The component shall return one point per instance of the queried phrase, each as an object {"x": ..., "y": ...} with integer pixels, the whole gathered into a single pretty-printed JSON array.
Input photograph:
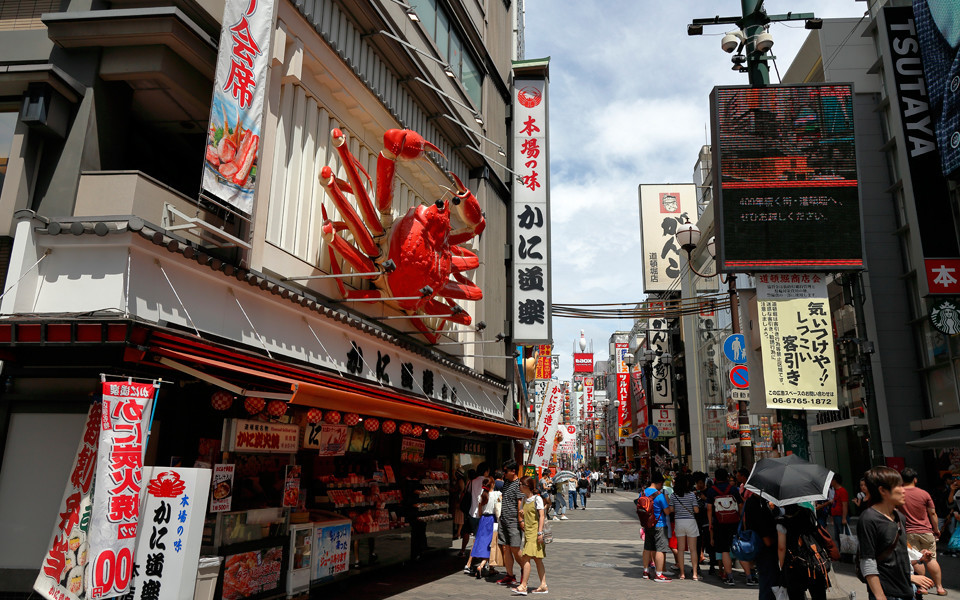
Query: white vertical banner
[
  {"x": 63, "y": 571},
  {"x": 124, "y": 426},
  {"x": 663, "y": 208},
  {"x": 168, "y": 547},
  {"x": 547, "y": 427},
  {"x": 231, "y": 161},
  {"x": 531, "y": 213}
]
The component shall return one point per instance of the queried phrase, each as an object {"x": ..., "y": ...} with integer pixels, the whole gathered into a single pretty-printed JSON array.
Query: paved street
[{"x": 595, "y": 554}]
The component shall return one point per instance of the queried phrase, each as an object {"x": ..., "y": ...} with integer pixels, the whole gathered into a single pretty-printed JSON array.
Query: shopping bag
[
  {"x": 496, "y": 556},
  {"x": 780, "y": 592},
  {"x": 673, "y": 540},
  {"x": 954, "y": 544},
  {"x": 848, "y": 541},
  {"x": 547, "y": 532}
]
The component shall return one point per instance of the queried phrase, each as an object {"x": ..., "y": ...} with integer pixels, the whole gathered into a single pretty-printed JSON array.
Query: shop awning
[
  {"x": 320, "y": 395},
  {"x": 941, "y": 439}
]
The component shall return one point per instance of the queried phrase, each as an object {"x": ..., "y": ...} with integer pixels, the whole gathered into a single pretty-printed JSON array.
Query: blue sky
[{"x": 629, "y": 105}]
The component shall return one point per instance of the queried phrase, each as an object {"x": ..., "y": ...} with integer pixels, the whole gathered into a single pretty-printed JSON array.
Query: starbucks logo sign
[{"x": 945, "y": 316}]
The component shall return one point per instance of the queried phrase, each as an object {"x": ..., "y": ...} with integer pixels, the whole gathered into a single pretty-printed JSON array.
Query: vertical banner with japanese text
[
  {"x": 544, "y": 369},
  {"x": 636, "y": 382},
  {"x": 796, "y": 341},
  {"x": 588, "y": 397},
  {"x": 547, "y": 427},
  {"x": 231, "y": 161},
  {"x": 661, "y": 388},
  {"x": 531, "y": 210},
  {"x": 62, "y": 574},
  {"x": 663, "y": 208},
  {"x": 168, "y": 547},
  {"x": 624, "y": 422}
]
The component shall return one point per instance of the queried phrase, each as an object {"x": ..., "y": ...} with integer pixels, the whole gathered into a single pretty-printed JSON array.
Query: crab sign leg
[
  {"x": 350, "y": 216},
  {"x": 461, "y": 289},
  {"x": 435, "y": 307},
  {"x": 351, "y": 164},
  {"x": 462, "y": 259},
  {"x": 358, "y": 261},
  {"x": 398, "y": 144},
  {"x": 468, "y": 209}
]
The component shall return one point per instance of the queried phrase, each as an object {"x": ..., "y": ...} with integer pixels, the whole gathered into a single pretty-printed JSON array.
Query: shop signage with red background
[
  {"x": 222, "y": 496},
  {"x": 544, "y": 364},
  {"x": 260, "y": 436},
  {"x": 124, "y": 422},
  {"x": 62, "y": 574},
  {"x": 636, "y": 380},
  {"x": 168, "y": 546},
  {"x": 582, "y": 362},
  {"x": 588, "y": 396},
  {"x": 412, "y": 449},
  {"x": 623, "y": 390}
]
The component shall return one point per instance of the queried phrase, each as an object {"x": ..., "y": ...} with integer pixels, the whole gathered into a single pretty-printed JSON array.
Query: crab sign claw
[
  {"x": 468, "y": 210},
  {"x": 398, "y": 144}
]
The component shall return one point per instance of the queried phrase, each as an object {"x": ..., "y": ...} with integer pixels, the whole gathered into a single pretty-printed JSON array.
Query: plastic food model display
[{"x": 415, "y": 259}]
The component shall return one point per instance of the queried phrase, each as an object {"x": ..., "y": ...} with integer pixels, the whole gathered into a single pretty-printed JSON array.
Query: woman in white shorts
[{"x": 685, "y": 508}]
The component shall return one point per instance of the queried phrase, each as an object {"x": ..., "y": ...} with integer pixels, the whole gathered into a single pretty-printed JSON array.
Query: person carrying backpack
[
  {"x": 803, "y": 559},
  {"x": 583, "y": 488},
  {"x": 652, "y": 510},
  {"x": 723, "y": 516}
]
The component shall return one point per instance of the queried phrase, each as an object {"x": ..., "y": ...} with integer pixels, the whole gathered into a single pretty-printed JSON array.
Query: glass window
[
  {"x": 443, "y": 34},
  {"x": 943, "y": 393},
  {"x": 427, "y": 11},
  {"x": 8, "y": 123},
  {"x": 456, "y": 52},
  {"x": 472, "y": 81}
]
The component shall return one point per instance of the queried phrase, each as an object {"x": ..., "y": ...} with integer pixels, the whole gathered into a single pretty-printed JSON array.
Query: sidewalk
[{"x": 595, "y": 554}]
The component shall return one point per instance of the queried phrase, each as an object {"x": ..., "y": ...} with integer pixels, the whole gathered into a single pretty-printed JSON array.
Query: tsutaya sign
[
  {"x": 796, "y": 341},
  {"x": 663, "y": 208},
  {"x": 531, "y": 204},
  {"x": 236, "y": 115}
]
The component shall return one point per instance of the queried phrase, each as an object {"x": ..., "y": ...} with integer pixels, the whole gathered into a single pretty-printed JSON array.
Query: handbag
[
  {"x": 848, "y": 541},
  {"x": 745, "y": 544},
  {"x": 496, "y": 556}
]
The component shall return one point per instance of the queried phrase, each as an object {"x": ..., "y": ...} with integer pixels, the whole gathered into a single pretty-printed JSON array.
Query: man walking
[
  {"x": 884, "y": 561},
  {"x": 723, "y": 514},
  {"x": 923, "y": 528},
  {"x": 655, "y": 541},
  {"x": 840, "y": 507},
  {"x": 583, "y": 488},
  {"x": 509, "y": 533}
]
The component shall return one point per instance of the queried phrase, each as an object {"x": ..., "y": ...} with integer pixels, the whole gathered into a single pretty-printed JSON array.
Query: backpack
[
  {"x": 833, "y": 552},
  {"x": 646, "y": 511},
  {"x": 807, "y": 554},
  {"x": 725, "y": 506}
]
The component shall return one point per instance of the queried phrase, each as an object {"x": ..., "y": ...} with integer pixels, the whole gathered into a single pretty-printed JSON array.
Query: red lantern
[
  {"x": 433, "y": 433},
  {"x": 417, "y": 431},
  {"x": 277, "y": 408},
  {"x": 332, "y": 417},
  {"x": 371, "y": 424},
  {"x": 388, "y": 427},
  {"x": 406, "y": 429},
  {"x": 221, "y": 400},
  {"x": 254, "y": 405},
  {"x": 314, "y": 415},
  {"x": 351, "y": 419}
]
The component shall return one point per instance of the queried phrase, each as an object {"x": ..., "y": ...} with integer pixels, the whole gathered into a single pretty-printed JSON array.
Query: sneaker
[
  {"x": 555, "y": 519},
  {"x": 753, "y": 581},
  {"x": 467, "y": 570},
  {"x": 661, "y": 578},
  {"x": 508, "y": 580},
  {"x": 645, "y": 575},
  {"x": 564, "y": 518},
  {"x": 729, "y": 581}
]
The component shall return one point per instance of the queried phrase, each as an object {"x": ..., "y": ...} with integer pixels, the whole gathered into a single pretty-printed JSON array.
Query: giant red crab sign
[{"x": 414, "y": 260}]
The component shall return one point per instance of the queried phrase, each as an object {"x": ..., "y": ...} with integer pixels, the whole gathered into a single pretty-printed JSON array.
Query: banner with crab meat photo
[{"x": 233, "y": 134}]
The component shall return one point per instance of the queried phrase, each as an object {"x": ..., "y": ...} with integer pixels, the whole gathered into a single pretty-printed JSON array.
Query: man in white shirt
[{"x": 476, "y": 488}]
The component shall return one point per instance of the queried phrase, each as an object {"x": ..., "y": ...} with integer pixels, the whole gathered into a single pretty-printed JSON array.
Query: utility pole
[
  {"x": 745, "y": 447},
  {"x": 752, "y": 24}
]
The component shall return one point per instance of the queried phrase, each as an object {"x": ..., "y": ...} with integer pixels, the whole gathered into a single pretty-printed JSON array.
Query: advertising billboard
[
  {"x": 785, "y": 176},
  {"x": 582, "y": 363},
  {"x": 662, "y": 209},
  {"x": 531, "y": 211},
  {"x": 938, "y": 31}
]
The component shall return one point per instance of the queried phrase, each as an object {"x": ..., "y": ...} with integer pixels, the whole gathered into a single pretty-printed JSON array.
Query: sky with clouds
[{"x": 629, "y": 105}]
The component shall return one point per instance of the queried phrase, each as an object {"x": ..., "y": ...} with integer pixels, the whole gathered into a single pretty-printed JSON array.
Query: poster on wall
[
  {"x": 333, "y": 549},
  {"x": 796, "y": 341},
  {"x": 531, "y": 210},
  {"x": 662, "y": 209},
  {"x": 247, "y": 574},
  {"x": 168, "y": 546},
  {"x": 291, "y": 486},
  {"x": 665, "y": 420},
  {"x": 62, "y": 574},
  {"x": 231, "y": 161},
  {"x": 221, "y": 496},
  {"x": 124, "y": 428},
  {"x": 938, "y": 31},
  {"x": 412, "y": 449},
  {"x": 330, "y": 440}
]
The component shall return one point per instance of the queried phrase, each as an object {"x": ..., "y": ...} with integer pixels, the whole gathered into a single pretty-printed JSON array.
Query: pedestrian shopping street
[{"x": 595, "y": 554}]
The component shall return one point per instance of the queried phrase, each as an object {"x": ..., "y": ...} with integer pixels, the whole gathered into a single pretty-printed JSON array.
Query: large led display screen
[{"x": 785, "y": 174}]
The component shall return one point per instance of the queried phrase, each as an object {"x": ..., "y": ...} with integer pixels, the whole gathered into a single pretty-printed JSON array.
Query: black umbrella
[{"x": 789, "y": 480}]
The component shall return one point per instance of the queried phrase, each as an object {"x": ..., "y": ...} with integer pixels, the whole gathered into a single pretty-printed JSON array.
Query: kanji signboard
[
  {"x": 663, "y": 208},
  {"x": 785, "y": 178},
  {"x": 661, "y": 388},
  {"x": 531, "y": 212},
  {"x": 547, "y": 426},
  {"x": 796, "y": 341},
  {"x": 230, "y": 165},
  {"x": 624, "y": 423}
]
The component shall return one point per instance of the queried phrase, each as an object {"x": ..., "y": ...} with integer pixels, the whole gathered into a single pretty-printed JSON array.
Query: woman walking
[
  {"x": 533, "y": 518},
  {"x": 685, "y": 510},
  {"x": 488, "y": 505},
  {"x": 796, "y": 527}
]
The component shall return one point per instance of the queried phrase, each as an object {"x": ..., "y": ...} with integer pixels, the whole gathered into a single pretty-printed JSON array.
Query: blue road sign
[
  {"x": 740, "y": 377},
  {"x": 651, "y": 432},
  {"x": 735, "y": 349}
]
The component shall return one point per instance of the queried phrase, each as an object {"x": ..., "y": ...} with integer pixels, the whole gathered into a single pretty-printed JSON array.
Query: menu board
[
  {"x": 333, "y": 549},
  {"x": 248, "y": 574}
]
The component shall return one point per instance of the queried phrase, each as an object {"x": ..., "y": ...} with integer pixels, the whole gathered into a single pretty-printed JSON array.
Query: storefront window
[{"x": 8, "y": 123}]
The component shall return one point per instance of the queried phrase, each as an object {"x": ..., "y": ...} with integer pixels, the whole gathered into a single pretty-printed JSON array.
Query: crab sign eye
[{"x": 439, "y": 204}]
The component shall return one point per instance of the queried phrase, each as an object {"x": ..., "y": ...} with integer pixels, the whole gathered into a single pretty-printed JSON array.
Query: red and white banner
[
  {"x": 62, "y": 573},
  {"x": 544, "y": 361},
  {"x": 231, "y": 162},
  {"x": 124, "y": 423},
  {"x": 582, "y": 362},
  {"x": 547, "y": 427},
  {"x": 168, "y": 547},
  {"x": 623, "y": 390},
  {"x": 588, "y": 397}
]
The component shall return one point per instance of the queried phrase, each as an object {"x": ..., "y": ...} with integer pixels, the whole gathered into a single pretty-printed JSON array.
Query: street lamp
[{"x": 688, "y": 236}]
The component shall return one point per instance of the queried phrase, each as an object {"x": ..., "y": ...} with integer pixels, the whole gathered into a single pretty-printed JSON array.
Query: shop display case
[{"x": 301, "y": 558}]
